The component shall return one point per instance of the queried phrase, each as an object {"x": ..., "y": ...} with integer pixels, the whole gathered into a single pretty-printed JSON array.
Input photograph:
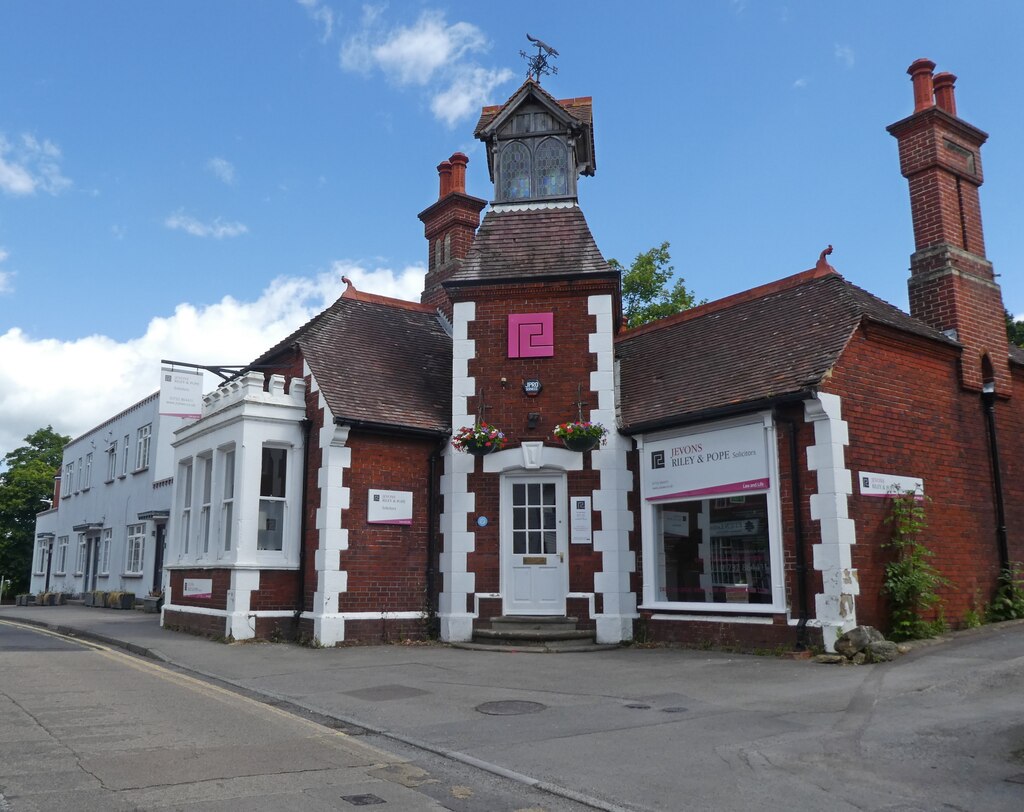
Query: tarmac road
[{"x": 656, "y": 729}]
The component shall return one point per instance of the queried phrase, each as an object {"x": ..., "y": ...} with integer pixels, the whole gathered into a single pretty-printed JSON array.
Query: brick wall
[
  {"x": 221, "y": 584},
  {"x": 907, "y": 415},
  {"x": 508, "y": 408},
  {"x": 387, "y": 564}
]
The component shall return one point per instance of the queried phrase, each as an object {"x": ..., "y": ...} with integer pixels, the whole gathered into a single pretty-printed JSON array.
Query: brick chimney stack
[
  {"x": 449, "y": 226},
  {"x": 952, "y": 285}
]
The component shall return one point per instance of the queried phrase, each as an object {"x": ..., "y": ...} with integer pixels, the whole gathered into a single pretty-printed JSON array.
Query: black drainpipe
[
  {"x": 988, "y": 402},
  {"x": 307, "y": 426},
  {"x": 432, "y": 495},
  {"x": 798, "y": 528}
]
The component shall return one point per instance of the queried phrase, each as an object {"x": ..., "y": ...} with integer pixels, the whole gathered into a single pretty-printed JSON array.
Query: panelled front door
[{"x": 533, "y": 542}]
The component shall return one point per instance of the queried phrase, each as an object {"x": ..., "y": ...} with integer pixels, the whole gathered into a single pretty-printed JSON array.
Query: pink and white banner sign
[{"x": 689, "y": 466}]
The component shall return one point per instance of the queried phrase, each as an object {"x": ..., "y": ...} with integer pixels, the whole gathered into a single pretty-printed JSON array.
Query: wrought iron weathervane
[{"x": 538, "y": 64}]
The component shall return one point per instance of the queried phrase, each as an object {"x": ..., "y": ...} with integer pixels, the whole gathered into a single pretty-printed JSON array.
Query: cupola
[{"x": 537, "y": 146}]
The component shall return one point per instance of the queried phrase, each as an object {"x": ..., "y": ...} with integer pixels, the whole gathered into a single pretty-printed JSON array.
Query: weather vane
[{"x": 539, "y": 64}]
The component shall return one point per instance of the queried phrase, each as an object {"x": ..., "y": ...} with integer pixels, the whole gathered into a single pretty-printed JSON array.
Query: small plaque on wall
[
  {"x": 389, "y": 507},
  {"x": 888, "y": 484},
  {"x": 197, "y": 588},
  {"x": 580, "y": 523}
]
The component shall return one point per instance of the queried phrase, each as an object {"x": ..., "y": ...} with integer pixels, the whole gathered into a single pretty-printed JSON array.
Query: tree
[
  {"x": 646, "y": 295},
  {"x": 24, "y": 488},
  {"x": 1014, "y": 329}
]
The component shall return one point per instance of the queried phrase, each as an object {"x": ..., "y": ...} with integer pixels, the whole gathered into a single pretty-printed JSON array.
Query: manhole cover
[
  {"x": 363, "y": 800},
  {"x": 638, "y": 706},
  {"x": 510, "y": 707},
  {"x": 673, "y": 710}
]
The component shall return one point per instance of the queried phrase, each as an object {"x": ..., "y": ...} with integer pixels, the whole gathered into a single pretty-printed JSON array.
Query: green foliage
[
  {"x": 646, "y": 295},
  {"x": 911, "y": 582},
  {"x": 24, "y": 486},
  {"x": 1008, "y": 603},
  {"x": 1014, "y": 329}
]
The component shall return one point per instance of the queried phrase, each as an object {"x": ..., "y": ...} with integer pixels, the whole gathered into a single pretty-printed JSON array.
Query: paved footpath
[{"x": 659, "y": 728}]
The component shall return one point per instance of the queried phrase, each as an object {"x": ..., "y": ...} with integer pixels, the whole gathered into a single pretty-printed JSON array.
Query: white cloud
[
  {"x": 430, "y": 53},
  {"x": 845, "y": 55},
  {"x": 218, "y": 229},
  {"x": 468, "y": 92},
  {"x": 222, "y": 169},
  {"x": 100, "y": 376},
  {"x": 800, "y": 83},
  {"x": 321, "y": 14},
  {"x": 29, "y": 165}
]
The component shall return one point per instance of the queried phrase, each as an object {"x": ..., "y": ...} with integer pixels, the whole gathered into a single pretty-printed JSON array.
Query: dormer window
[
  {"x": 515, "y": 171},
  {"x": 550, "y": 168}
]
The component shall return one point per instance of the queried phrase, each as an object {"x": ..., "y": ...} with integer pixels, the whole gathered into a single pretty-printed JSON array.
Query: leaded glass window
[
  {"x": 515, "y": 172},
  {"x": 551, "y": 170}
]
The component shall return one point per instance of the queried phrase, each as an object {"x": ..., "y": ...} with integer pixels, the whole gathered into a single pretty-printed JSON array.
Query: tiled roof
[
  {"x": 581, "y": 108},
  {"x": 770, "y": 342},
  {"x": 379, "y": 360},
  {"x": 532, "y": 243},
  {"x": 1017, "y": 354}
]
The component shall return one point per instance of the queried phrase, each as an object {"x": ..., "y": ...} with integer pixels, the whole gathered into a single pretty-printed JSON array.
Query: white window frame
[
  {"x": 142, "y": 437},
  {"x": 135, "y": 549},
  {"x": 112, "y": 461},
  {"x": 227, "y": 504},
  {"x": 124, "y": 458},
  {"x": 206, "y": 486},
  {"x": 650, "y": 536},
  {"x": 270, "y": 500},
  {"x": 103, "y": 565},
  {"x": 67, "y": 484},
  {"x": 82, "y": 552},
  {"x": 78, "y": 478},
  {"x": 41, "y": 545},
  {"x": 187, "y": 469},
  {"x": 62, "y": 556},
  {"x": 88, "y": 471}
]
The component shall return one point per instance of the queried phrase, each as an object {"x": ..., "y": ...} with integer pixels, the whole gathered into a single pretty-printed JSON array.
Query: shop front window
[{"x": 715, "y": 550}]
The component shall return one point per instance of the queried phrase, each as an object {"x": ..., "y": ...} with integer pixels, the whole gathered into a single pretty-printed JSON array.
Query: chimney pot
[
  {"x": 921, "y": 75},
  {"x": 944, "y": 96},
  {"x": 458, "y": 163},
  {"x": 444, "y": 174}
]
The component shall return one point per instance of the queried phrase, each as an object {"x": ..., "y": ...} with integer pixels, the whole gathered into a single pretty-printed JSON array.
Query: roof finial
[
  {"x": 350, "y": 289},
  {"x": 822, "y": 264},
  {"x": 538, "y": 65}
]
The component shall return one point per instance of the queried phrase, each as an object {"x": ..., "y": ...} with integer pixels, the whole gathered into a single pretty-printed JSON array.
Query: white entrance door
[{"x": 533, "y": 543}]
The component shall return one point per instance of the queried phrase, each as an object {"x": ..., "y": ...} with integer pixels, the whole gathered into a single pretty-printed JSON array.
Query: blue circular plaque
[{"x": 481, "y": 521}]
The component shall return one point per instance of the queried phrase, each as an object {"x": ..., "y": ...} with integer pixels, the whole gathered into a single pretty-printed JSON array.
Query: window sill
[
  {"x": 59, "y": 573},
  {"x": 141, "y": 470},
  {"x": 103, "y": 575},
  {"x": 122, "y": 476},
  {"x": 131, "y": 574},
  {"x": 107, "y": 481}
]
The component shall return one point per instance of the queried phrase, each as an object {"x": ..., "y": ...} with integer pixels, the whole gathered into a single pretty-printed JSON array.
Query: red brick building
[{"x": 741, "y": 493}]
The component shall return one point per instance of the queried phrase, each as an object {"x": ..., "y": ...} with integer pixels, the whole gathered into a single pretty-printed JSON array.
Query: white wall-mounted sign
[
  {"x": 389, "y": 507},
  {"x": 198, "y": 588},
  {"x": 580, "y": 521},
  {"x": 728, "y": 460},
  {"x": 888, "y": 484},
  {"x": 181, "y": 392}
]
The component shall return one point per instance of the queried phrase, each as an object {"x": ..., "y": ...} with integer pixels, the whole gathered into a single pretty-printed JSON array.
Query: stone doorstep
[
  {"x": 532, "y": 635},
  {"x": 534, "y": 623},
  {"x": 554, "y": 647}
]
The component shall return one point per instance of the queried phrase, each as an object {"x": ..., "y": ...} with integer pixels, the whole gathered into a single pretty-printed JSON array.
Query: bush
[
  {"x": 911, "y": 582},
  {"x": 1008, "y": 603}
]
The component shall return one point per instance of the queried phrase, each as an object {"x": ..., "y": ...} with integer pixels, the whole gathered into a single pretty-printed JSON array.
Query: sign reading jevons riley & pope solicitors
[
  {"x": 727, "y": 460},
  {"x": 389, "y": 507}
]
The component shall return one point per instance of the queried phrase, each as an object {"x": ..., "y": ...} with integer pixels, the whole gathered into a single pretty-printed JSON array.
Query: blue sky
[{"x": 191, "y": 179}]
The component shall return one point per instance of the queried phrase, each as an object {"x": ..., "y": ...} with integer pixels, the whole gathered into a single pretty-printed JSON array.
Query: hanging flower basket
[
  {"x": 479, "y": 439},
  {"x": 581, "y": 435}
]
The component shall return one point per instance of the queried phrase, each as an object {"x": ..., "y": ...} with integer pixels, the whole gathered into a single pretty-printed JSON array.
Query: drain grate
[
  {"x": 363, "y": 800},
  {"x": 510, "y": 707}
]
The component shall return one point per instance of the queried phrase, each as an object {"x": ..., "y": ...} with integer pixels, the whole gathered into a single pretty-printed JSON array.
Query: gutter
[
  {"x": 798, "y": 529},
  {"x": 717, "y": 412},
  {"x": 390, "y": 428}
]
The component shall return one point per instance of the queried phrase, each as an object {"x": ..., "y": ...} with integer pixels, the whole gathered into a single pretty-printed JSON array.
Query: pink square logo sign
[{"x": 531, "y": 335}]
